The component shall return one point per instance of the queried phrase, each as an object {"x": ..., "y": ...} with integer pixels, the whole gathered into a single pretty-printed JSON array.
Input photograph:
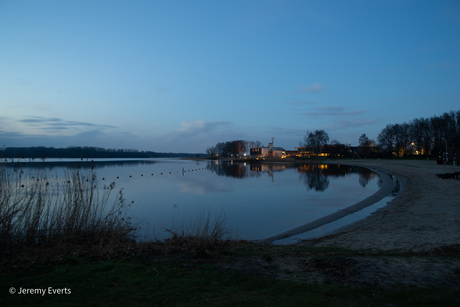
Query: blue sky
[{"x": 180, "y": 76}]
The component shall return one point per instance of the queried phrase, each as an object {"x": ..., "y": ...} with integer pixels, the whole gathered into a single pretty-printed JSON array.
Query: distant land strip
[{"x": 40, "y": 152}]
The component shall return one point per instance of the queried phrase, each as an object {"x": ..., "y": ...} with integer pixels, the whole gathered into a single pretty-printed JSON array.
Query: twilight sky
[{"x": 180, "y": 76}]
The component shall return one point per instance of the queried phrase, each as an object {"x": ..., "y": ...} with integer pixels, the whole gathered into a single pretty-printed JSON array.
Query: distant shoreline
[{"x": 85, "y": 153}]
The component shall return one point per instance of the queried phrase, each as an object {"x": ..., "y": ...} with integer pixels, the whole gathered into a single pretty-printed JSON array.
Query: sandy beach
[{"x": 424, "y": 215}]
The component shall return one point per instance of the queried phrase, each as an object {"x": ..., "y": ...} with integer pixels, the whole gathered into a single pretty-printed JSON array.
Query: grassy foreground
[{"x": 196, "y": 278}]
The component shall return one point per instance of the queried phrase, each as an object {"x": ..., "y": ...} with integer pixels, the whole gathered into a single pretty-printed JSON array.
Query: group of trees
[
  {"x": 232, "y": 148},
  {"x": 423, "y": 136},
  {"x": 81, "y": 152},
  {"x": 316, "y": 139},
  {"x": 426, "y": 136}
]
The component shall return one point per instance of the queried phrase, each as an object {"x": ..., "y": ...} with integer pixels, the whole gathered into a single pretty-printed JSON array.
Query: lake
[{"x": 258, "y": 199}]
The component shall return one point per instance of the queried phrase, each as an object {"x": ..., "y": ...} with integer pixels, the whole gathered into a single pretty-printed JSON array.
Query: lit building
[{"x": 269, "y": 151}]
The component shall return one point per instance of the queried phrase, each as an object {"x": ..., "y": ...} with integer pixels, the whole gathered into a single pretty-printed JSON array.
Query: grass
[
  {"x": 44, "y": 212},
  {"x": 131, "y": 282},
  {"x": 202, "y": 233}
]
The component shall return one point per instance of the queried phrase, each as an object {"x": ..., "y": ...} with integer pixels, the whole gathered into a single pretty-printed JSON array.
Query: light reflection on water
[{"x": 258, "y": 200}]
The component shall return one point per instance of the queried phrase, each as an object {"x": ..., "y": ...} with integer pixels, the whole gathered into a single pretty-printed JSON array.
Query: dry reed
[
  {"x": 39, "y": 210},
  {"x": 203, "y": 233},
  {"x": 43, "y": 216}
]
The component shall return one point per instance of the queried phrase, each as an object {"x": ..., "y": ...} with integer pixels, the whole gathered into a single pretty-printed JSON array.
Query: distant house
[
  {"x": 291, "y": 153},
  {"x": 305, "y": 151},
  {"x": 331, "y": 151},
  {"x": 269, "y": 151}
]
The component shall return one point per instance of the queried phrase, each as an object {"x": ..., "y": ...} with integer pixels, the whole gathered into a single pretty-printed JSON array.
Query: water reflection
[
  {"x": 231, "y": 169},
  {"x": 314, "y": 176}
]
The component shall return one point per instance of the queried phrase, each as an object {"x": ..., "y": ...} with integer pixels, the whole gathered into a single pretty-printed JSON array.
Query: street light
[
  {"x": 446, "y": 155},
  {"x": 446, "y": 144}
]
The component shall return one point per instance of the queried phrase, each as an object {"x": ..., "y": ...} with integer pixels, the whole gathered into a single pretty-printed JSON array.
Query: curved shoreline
[
  {"x": 423, "y": 216},
  {"x": 387, "y": 187}
]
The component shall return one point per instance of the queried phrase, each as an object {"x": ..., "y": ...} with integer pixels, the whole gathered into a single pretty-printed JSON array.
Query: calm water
[{"x": 259, "y": 200}]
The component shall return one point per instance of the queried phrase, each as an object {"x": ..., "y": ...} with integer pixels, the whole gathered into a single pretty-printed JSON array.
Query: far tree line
[
  {"x": 82, "y": 152},
  {"x": 421, "y": 136},
  {"x": 425, "y": 136}
]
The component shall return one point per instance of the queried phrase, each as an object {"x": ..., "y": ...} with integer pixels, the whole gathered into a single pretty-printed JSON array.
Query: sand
[{"x": 424, "y": 215}]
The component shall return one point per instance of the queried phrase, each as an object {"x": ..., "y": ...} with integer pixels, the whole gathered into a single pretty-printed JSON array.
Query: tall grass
[
  {"x": 43, "y": 210},
  {"x": 46, "y": 216},
  {"x": 203, "y": 233}
]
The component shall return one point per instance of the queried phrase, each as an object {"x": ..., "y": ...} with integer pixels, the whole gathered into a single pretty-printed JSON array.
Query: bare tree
[
  {"x": 254, "y": 144},
  {"x": 211, "y": 151},
  {"x": 386, "y": 138},
  {"x": 365, "y": 141},
  {"x": 401, "y": 134},
  {"x": 335, "y": 142},
  {"x": 416, "y": 133},
  {"x": 316, "y": 140}
]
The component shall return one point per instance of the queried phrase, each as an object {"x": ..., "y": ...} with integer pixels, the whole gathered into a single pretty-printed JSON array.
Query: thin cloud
[
  {"x": 402, "y": 98},
  {"x": 54, "y": 124},
  {"x": 331, "y": 111},
  {"x": 302, "y": 103},
  {"x": 286, "y": 131},
  {"x": 314, "y": 88},
  {"x": 199, "y": 126},
  {"x": 354, "y": 123},
  {"x": 198, "y": 129}
]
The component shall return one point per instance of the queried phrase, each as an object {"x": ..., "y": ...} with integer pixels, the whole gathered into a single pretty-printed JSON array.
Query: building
[
  {"x": 331, "y": 151},
  {"x": 269, "y": 151},
  {"x": 291, "y": 153}
]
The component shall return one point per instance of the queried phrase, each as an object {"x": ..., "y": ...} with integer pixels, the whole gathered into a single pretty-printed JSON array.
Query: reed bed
[
  {"x": 69, "y": 214},
  {"x": 45, "y": 216},
  {"x": 206, "y": 232}
]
